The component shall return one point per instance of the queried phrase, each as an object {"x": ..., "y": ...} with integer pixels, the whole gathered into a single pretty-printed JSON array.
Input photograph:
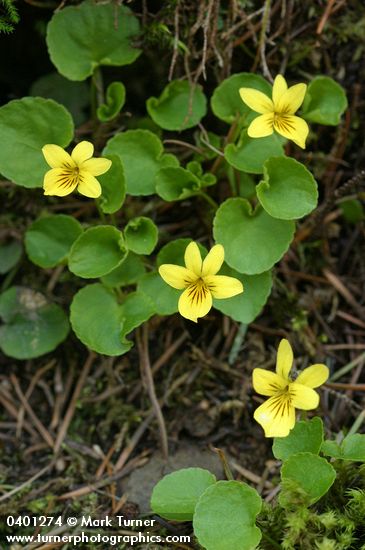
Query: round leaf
[
  {"x": 10, "y": 254},
  {"x": 311, "y": 473},
  {"x": 324, "y": 102},
  {"x": 81, "y": 38},
  {"x": 101, "y": 323},
  {"x": 253, "y": 241},
  {"x": 72, "y": 95},
  {"x": 351, "y": 448},
  {"x": 127, "y": 273},
  {"x": 176, "y": 495},
  {"x": 113, "y": 186},
  {"x": 288, "y": 190},
  {"x": 33, "y": 326},
  {"x": 175, "y": 183},
  {"x": 25, "y": 126},
  {"x": 164, "y": 297},
  {"x": 225, "y": 515},
  {"x": 97, "y": 320},
  {"x": 226, "y": 101},
  {"x": 97, "y": 251},
  {"x": 48, "y": 240},
  {"x": 141, "y": 235},
  {"x": 245, "y": 307},
  {"x": 141, "y": 153},
  {"x": 306, "y": 436},
  {"x": 180, "y": 106},
  {"x": 115, "y": 99},
  {"x": 250, "y": 154}
]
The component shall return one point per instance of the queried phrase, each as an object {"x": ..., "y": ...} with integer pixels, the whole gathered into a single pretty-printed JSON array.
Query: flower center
[
  {"x": 70, "y": 176},
  {"x": 197, "y": 291}
]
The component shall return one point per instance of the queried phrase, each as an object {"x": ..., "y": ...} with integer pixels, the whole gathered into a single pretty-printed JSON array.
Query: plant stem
[
  {"x": 224, "y": 461},
  {"x": 209, "y": 199}
]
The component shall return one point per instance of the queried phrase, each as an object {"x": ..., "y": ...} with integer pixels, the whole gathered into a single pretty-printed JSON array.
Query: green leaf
[
  {"x": 253, "y": 241},
  {"x": 173, "y": 184},
  {"x": 97, "y": 252},
  {"x": 48, "y": 240},
  {"x": 141, "y": 153},
  {"x": 81, "y": 38},
  {"x": 225, "y": 515},
  {"x": 163, "y": 296},
  {"x": 288, "y": 190},
  {"x": 352, "y": 210},
  {"x": 306, "y": 436},
  {"x": 141, "y": 235},
  {"x": 351, "y": 448},
  {"x": 324, "y": 102},
  {"x": 101, "y": 323},
  {"x": 10, "y": 255},
  {"x": 115, "y": 99},
  {"x": 311, "y": 473},
  {"x": 180, "y": 106},
  {"x": 245, "y": 307},
  {"x": 33, "y": 326},
  {"x": 74, "y": 96},
  {"x": 250, "y": 154},
  {"x": 25, "y": 126},
  {"x": 226, "y": 102},
  {"x": 97, "y": 320},
  {"x": 176, "y": 183},
  {"x": 175, "y": 495},
  {"x": 127, "y": 273},
  {"x": 113, "y": 186}
]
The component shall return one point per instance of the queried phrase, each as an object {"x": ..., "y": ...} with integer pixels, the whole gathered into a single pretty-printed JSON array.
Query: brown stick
[
  {"x": 72, "y": 406},
  {"x": 142, "y": 343}
]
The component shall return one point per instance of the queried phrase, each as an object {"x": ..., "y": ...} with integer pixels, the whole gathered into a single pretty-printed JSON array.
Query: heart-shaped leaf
[
  {"x": 253, "y": 241},
  {"x": 141, "y": 235},
  {"x": 113, "y": 186},
  {"x": 250, "y": 154},
  {"x": 141, "y": 153},
  {"x": 324, "y": 102},
  {"x": 25, "y": 126},
  {"x": 83, "y": 37},
  {"x": 180, "y": 106},
  {"x": 115, "y": 99},
  {"x": 288, "y": 190},
  {"x": 306, "y": 436}
]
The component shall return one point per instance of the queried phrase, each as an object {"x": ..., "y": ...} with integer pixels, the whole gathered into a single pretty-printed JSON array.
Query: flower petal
[
  {"x": 193, "y": 259},
  {"x": 176, "y": 276},
  {"x": 195, "y": 302},
  {"x": 303, "y": 397},
  {"x": 256, "y": 100},
  {"x": 313, "y": 376},
  {"x": 213, "y": 260},
  {"x": 266, "y": 382},
  {"x": 96, "y": 166},
  {"x": 261, "y": 126},
  {"x": 88, "y": 185},
  {"x": 292, "y": 99},
  {"x": 284, "y": 359},
  {"x": 57, "y": 157},
  {"x": 83, "y": 151},
  {"x": 278, "y": 90},
  {"x": 276, "y": 416},
  {"x": 222, "y": 286},
  {"x": 57, "y": 183},
  {"x": 292, "y": 127}
]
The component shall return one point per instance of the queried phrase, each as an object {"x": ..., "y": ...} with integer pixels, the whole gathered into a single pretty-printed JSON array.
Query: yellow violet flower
[
  {"x": 73, "y": 171},
  {"x": 277, "y": 113},
  {"x": 200, "y": 281},
  {"x": 277, "y": 414}
]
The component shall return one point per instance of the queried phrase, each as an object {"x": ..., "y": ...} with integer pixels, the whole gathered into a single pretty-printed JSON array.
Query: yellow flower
[
  {"x": 75, "y": 170},
  {"x": 200, "y": 281},
  {"x": 277, "y": 414},
  {"x": 278, "y": 113}
]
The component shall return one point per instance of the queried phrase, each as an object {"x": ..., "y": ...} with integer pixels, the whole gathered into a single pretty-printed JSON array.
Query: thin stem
[
  {"x": 209, "y": 199},
  {"x": 147, "y": 377},
  {"x": 224, "y": 461}
]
